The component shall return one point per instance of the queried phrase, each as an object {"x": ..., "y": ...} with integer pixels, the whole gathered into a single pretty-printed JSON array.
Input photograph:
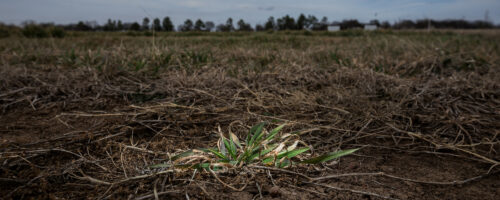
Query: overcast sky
[{"x": 253, "y": 11}]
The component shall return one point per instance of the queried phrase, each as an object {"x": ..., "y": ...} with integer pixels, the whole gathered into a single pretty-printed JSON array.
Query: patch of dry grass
[{"x": 115, "y": 105}]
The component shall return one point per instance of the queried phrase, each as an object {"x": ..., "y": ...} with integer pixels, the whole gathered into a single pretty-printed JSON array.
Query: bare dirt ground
[{"x": 81, "y": 133}]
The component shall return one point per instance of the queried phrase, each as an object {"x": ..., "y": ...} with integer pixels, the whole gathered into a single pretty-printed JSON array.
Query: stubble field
[{"x": 86, "y": 116}]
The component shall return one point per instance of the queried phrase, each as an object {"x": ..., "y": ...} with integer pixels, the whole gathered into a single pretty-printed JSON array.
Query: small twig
[
  {"x": 143, "y": 150},
  {"x": 461, "y": 182},
  {"x": 308, "y": 190},
  {"x": 259, "y": 189},
  {"x": 121, "y": 160},
  {"x": 155, "y": 190},
  {"x": 90, "y": 179},
  {"x": 203, "y": 190},
  {"x": 225, "y": 184},
  {"x": 344, "y": 175},
  {"x": 159, "y": 194},
  {"x": 15, "y": 91},
  {"x": 23, "y": 186},
  {"x": 281, "y": 170},
  {"x": 271, "y": 177},
  {"x": 351, "y": 190},
  {"x": 420, "y": 136}
]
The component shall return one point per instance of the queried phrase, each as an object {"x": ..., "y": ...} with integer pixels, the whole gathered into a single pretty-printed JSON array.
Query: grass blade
[
  {"x": 235, "y": 139},
  {"x": 283, "y": 164},
  {"x": 255, "y": 133},
  {"x": 182, "y": 155},
  {"x": 293, "y": 153},
  {"x": 230, "y": 147},
  {"x": 288, "y": 154},
  {"x": 329, "y": 156},
  {"x": 218, "y": 154},
  {"x": 274, "y": 132},
  {"x": 221, "y": 146}
]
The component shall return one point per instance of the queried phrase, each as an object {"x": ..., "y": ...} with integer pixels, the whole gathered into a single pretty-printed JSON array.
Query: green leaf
[
  {"x": 266, "y": 151},
  {"x": 329, "y": 156},
  {"x": 293, "y": 153},
  {"x": 255, "y": 133},
  {"x": 274, "y": 132},
  {"x": 206, "y": 166},
  {"x": 288, "y": 154},
  {"x": 182, "y": 155},
  {"x": 268, "y": 160},
  {"x": 283, "y": 164},
  {"x": 253, "y": 155},
  {"x": 218, "y": 154},
  {"x": 230, "y": 147},
  {"x": 202, "y": 166},
  {"x": 243, "y": 156}
]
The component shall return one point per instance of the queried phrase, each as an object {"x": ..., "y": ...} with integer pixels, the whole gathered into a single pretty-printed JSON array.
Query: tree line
[{"x": 287, "y": 22}]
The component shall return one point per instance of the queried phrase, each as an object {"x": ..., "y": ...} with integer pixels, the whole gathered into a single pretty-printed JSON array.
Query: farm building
[
  {"x": 333, "y": 28},
  {"x": 370, "y": 27}
]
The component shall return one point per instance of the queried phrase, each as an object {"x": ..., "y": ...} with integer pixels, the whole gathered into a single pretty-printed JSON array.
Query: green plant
[{"x": 260, "y": 148}]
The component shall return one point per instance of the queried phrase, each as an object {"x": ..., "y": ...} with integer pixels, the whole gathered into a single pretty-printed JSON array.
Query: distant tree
[
  {"x": 385, "y": 25},
  {"x": 135, "y": 27},
  {"x": 270, "y": 24},
  {"x": 227, "y": 27},
  {"x": 209, "y": 26},
  {"x": 290, "y": 23},
  {"x": 482, "y": 24},
  {"x": 280, "y": 23},
  {"x": 187, "y": 26},
  {"x": 93, "y": 25},
  {"x": 424, "y": 23},
  {"x": 220, "y": 28},
  {"x": 167, "y": 24},
  {"x": 199, "y": 25},
  {"x": 324, "y": 23},
  {"x": 82, "y": 27},
  {"x": 242, "y": 26},
  {"x": 374, "y": 22},
  {"x": 145, "y": 23},
  {"x": 119, "y": 26},
  {"x": 404, "y": 24},
  {"x": 157, "y": 24},
  {"x": 286, "y": 23},
  {"x": 229, "y": 24},
  {"x": 110, "y": 25},
  {"x": 350, "y": 24},
  {"x": 259, "y": 27},
  {"x": 310, "y": 22},
  {"x": 301, "y": 22}
]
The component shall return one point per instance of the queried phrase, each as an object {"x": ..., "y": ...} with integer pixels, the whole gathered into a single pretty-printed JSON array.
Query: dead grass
[{"x": 87, "y": 115}]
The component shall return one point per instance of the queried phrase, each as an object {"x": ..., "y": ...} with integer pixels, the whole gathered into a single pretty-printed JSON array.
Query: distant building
[
  {"x": 333, "y": 28},
  {"x": 370, "y": 27}
]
